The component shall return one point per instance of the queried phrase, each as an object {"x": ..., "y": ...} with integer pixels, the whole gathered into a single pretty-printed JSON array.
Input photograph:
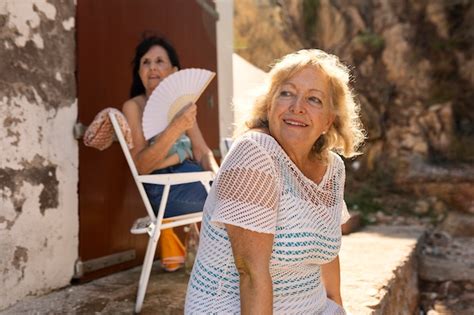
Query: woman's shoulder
[
  {"x": 250, "y": 147},
  {"x": 255, "y": 140},
  {"x": 261, "y": 137},
  {"x": 336, "y": 160},
  {"x": 136, "y": 103}
]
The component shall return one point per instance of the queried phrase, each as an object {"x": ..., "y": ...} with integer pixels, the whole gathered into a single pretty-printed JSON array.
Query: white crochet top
[{"x": 259, "y": 188}]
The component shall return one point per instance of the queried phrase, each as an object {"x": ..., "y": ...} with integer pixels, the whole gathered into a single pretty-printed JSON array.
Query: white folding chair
[
  {"x": 226, "y": 143},
  {"x": 156, "y": 222}
]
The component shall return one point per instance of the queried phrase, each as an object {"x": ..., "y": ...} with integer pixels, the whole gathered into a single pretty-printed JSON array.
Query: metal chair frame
[{"x": 156, "y": 221}]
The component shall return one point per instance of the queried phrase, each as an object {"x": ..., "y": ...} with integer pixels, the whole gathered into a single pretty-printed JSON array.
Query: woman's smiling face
[
  {"x": 300, "y": 110},
  {"x": 155, "y": 65}
]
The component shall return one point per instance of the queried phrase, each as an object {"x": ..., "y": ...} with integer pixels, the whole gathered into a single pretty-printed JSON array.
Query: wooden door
[{"x": 107, "y": 33}]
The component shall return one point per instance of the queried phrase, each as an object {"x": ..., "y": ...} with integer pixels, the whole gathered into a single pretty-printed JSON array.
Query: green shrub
[
  {"x": 371, "y": 40},
  {"x": 310, "y": 17}
]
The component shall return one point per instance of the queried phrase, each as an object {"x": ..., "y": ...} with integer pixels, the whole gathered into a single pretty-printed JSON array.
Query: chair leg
[{"x": 146, "y": 270}]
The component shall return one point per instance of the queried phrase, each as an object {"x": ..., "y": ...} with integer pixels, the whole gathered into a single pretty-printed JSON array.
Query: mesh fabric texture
[{"x": 260, "y": 189}]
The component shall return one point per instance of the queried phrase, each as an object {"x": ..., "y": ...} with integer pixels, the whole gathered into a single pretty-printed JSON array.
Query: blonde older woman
[{"x": 272, "y": 222}]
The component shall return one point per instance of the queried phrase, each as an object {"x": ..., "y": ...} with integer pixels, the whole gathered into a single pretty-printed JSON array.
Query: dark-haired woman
[{"x": 179, "y": 148}]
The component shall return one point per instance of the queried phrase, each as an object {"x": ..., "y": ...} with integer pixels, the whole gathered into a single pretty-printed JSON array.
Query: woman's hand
[
  {"x": 201, "y": 151},
  {"x": 185, "y": 118},
  {"x": 208, "y": 162}
]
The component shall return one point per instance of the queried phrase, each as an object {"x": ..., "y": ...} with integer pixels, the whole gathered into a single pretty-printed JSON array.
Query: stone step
[
  {"x": 448, "y": 297},
  {"x": 378, "y": 270},
  {"x": 446, "y": 269},
  {"x": 446, "y": 258},
  {"x": 458, "y": 224}
]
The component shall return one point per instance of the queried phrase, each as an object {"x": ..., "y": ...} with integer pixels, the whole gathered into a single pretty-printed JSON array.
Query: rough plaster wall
[{"x": 38, "y": 154}]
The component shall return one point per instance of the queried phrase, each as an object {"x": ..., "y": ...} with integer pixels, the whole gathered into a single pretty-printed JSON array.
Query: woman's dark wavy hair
[{"x": 142, "y": 48}]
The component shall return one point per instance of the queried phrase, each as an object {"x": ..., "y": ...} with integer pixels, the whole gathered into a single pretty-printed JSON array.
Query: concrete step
[
  {"x": 446, "y": 258},
  {"x": 378, "y": 271},
  {"x": 111, "y": 295},
  {"x": 446, "y": 269}
]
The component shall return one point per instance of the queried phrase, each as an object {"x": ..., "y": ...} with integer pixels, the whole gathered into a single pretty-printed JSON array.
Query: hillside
[{"x": 413, "y": 68}]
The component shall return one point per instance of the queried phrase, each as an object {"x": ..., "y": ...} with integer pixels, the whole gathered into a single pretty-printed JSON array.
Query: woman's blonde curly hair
[{"x": 346, "y": 134}]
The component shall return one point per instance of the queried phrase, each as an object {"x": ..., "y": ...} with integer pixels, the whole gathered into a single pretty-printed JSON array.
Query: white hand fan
[{"x": 171, "y": 95}]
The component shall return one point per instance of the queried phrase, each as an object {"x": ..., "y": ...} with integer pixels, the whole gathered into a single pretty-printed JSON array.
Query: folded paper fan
[{"x": 171, "y": 95}]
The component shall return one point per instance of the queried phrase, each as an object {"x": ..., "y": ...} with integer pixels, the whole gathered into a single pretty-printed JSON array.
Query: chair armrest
[{"x": 177, "y": 178}]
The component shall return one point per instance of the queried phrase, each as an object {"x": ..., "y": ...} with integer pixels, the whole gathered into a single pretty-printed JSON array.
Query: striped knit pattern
[{"x": 260, "y": 189}]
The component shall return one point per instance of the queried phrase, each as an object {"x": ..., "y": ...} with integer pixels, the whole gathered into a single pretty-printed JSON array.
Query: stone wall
[{"x": 39, "y": 155}]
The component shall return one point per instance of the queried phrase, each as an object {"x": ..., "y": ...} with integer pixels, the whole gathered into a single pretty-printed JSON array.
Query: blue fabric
[
  {"x": 182, "y": 199},
  {"x": 182, "y": 147}
]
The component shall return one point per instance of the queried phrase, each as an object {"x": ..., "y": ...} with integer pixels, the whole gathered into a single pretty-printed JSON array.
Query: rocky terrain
[
  {"x": 413, "y": 67},
  {"x": 413, "y": 73},
  {"x": 446, "y": 272}
]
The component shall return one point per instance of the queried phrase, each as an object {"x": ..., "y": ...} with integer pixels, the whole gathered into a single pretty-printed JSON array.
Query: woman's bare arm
[
  {"x": 150, "y": 157},
  {"x": 202, "y": 153},
  {"x": 252, "y": 252},
  {"x": 331, "y": 276}
]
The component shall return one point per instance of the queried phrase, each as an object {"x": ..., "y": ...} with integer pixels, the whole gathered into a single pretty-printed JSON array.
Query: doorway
[{"x": 107, "y": 33}]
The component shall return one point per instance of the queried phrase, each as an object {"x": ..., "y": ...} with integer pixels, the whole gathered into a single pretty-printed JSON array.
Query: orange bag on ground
[{"x": 172, "y": 250}]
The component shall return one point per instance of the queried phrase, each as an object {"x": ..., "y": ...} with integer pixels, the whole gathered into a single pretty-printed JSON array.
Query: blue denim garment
[{"x": 183, "y": 198}]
